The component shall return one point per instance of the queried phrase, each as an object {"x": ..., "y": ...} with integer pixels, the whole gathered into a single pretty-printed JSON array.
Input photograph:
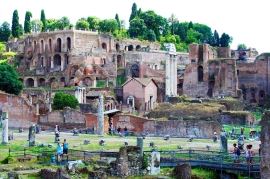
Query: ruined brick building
[{"x": 213, "y": 72}]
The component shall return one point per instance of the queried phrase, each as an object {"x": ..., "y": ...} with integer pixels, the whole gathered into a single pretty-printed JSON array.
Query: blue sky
[{"x": 245, "y": 20}]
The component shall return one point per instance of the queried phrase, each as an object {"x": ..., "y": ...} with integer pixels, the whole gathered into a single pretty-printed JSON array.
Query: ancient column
[
  {"x": 265, "y": 142},
  {"x": 50, "y": 107},
  {"x": 94, "y": 83},
  {"x": 107, "y": 82},
  {"x": 100, "y": 127},
  {"x": 62, "y": 64},
  {"x": 30, "y": 98},
  {"x": 171, "y": 70},
  {"x": 52, "y": 63},
  {"x": 168, "y": 66},
  {"x": 4, "y": 121},
  {"x": 140, "y": 144},
  {"x": 223, "y": 142}
]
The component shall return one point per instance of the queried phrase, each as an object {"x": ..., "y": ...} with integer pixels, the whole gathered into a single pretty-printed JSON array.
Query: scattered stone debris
[
  {"x": 166, "y": 137},
  {"x": 86, "y": 142},
  {"x": 182, "y": 171}
]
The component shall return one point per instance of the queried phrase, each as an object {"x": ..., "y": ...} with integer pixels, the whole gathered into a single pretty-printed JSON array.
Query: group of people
[
  {"x": 61, "y": 149},
  {"x": 249, "y": 153},
  {"x": 125, "y": 131}
]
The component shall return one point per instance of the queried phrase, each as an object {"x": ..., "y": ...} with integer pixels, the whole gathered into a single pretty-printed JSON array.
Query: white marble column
[
  {"x": 100, "y": 127},
  {"x": 175, "y": 76},
  {"x": 168, "y": 75},
  {"x": 62, "y": 64},
  {"x": 4, "y": 127},
  {"x": 50, "y": 107}
]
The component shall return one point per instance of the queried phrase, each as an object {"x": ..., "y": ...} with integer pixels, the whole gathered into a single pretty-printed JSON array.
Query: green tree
[
  {"x": 225, "y": 40},
  {"x": 108, "y": 25},
  {"x": 43, "y": 20},
  {"x": 241, "y": 47},
  {"x": 190, "y": 25},
  {"x": 20, "y": 30},
  {"x": 172, "y": 21},
  {"x": 5, "y": 31},
  {"x": 15, "y": 28},
  {"x": 27, "y": 22},
  {"x": 182, "y": 31},
  {"x": 36, "y": 25},
  {"x": 9, "y": 82},
  {"x": 52, "y": 24},
  {"x": 215, "y": 41},
  {"x": 206, "y": 32},
  {"x": 137, "y": 27},
  {"x": 64, "y": 22},
  {"x": 118, "y": 21},
  {"x": 193, "y": 36},
  {"x": 61, "y": 100},
  {"x": 93, "y": 22},
  {"x": 82, "y": 24},
  {"x": 151, "y": 36},
  {"x": 133, "y": 12}
]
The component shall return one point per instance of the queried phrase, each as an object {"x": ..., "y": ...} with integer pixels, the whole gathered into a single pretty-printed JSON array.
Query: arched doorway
[
  {"x": 41, "y": 82},
  {"x": 119, "y": 61},
  {"x": 57, "y": 62},
  {"x": 104, "y": 46},
  {"x": 211, "y": 86},
  {"x": 41, "y": 46},
  {"x": 51, "y": 81},
  {"x": 63, "y": 79},
  {"x": 138, "y": 48},
  {"x": 29, "y": 83},
  {"x": 200, "y": 74},
  {"x": 117, "y": 47},
  {"x": 252, "y": 96},
  {"x": 135, "y": 71},
  {"x": 130, "y": 48},
  {"x": 68, "y": 44},
  {"x": 261, "y": 97},
  {"x": 59, "y": 43}
]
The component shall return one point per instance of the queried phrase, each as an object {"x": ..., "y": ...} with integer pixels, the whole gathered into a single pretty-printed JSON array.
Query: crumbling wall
[
  {"x": 265, "y": 142},
  {"x": 237, "y": 118}
]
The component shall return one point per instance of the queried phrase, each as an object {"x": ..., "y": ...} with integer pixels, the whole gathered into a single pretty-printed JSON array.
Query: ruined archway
[
  {"x": 87, "y": 81},
  {"x": 261, "y": 96},
  {"x": 29, "y": 83},
  {"x": 138, "y": 48},
  {"x": 58, "y": 45},
  {"x": 211, "y": 86},
  {"x": 119, "y": 61},
  {"x": 200, "y": 74},
  {"x": 252, "y": 96},
  {"x": 130, "y": 48},
  {"x": 135, "y": 71},
  {"x": 41, "y": 46},
  {"x": 117, "y": 47},
  {"x": 41, "y": 82},
  {"x": 51, "y": 81},
  {"x": 50, "y": 45},
  {"x": 68, "y": 44},
  {"x": 104, "y": 46},
  {"x": 63, "y": 79},
  {"x": 57, "y": 62}
]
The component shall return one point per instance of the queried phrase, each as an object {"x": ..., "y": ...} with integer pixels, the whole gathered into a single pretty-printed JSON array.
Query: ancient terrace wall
[
  {"x": 176, "y": 128},
  {"x": 254, "y": 79},
  {"x": 208, "y": 75}
]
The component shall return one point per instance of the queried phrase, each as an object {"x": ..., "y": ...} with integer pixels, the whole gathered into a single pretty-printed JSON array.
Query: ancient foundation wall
[
  {"x": 176, "y": 128},
  {"x": 21, "y": 113}
]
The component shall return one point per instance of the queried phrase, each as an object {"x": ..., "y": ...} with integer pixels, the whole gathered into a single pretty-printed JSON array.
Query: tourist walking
[
  {"x": 126, "y": 131},
  {"x": 119, "y": 130},
  {"x": 58, "y": 152},
  {"x": 236, "y": 152}
]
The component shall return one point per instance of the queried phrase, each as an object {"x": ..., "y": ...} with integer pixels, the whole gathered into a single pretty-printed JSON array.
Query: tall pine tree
[
  {"x": 15, "y": 28},
  {"x": 118, "y": 21},
  {"x": 215, "y": 39},
  {"x": 133, "y": 12},
  {"x": 43, "y": 20},
  {"x": 190, "y": 25},
  {"x": 27, "y": 22}
]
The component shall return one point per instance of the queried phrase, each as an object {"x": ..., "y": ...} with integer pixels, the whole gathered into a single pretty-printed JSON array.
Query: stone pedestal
[{"x": 223, "y": 142}]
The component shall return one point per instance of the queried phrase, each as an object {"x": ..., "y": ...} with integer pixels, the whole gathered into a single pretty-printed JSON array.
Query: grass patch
[{"x": 202, "y": 173}]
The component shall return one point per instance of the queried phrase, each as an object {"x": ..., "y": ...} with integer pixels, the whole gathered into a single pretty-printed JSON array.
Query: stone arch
[
  {"x": 51, "y": 80},
  {"x": 50, "y": 45},
  {"x": 41, "y": 46},
  {"x": 135, "y": 71},
  {"x": 41, "y": 82},
  {"x": 261, "y": 95},
  {"x": 119, "y": 61},
  {"x": 63, "y": 79},
  {"x": 200, "y": 74},
  {"x": 87, "y": 81},
  {"x": 41, "y": 62},
  {"x": 29, "y": 83},
  {"x": 211, "y": 86},
  {"x": 58, "y": 45},
  {"x": 117, "y": 47},
  {"x": 57, "y": 62},
  {"x": 68, "y": 44},
  {"x": 155, "y": 67},
  {"x": 252, "y": 95},
  {"x": 130, "y": 48},
  {"x": 138, "y": 48},
  {"x": 73, "y": 70},
  {"x": 104, "y": 46}
]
